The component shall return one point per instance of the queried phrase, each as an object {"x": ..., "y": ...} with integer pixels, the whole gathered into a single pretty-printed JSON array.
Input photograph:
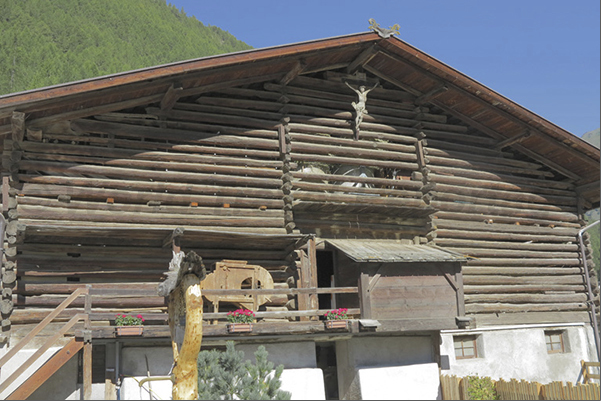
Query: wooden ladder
[{"x": 58, "y": 359}]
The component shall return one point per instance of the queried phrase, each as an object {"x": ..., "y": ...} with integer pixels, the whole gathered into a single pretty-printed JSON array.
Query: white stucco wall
[
  {"x": 62, "y": 385},
  {"x": 301, "y": 376},
  {"x": 369, "y": 368},
  {"x": 520, "y": 353},
  {"x": 15, "y": 362}
]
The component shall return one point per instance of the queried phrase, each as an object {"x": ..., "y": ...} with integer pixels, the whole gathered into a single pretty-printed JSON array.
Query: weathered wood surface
[{"x": 232, "y": 160}]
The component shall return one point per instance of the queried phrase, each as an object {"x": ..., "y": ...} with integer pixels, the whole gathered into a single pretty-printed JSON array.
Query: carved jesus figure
[{"x": 360, "y": 105}]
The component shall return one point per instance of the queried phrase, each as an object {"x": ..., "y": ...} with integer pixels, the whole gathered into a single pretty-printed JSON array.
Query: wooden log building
[{"x": 450, "y": 207}]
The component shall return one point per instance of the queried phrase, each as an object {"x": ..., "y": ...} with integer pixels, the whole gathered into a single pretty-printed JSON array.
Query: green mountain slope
[{"x": 45, "y": 42}]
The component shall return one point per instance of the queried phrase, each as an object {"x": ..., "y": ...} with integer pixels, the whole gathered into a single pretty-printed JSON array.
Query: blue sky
[{"x": 542, "y": 54}]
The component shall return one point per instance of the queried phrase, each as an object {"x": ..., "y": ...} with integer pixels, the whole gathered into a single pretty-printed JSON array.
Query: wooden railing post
[
  {"x": 87, "y": 347},
  {"x": 312, "y": 255},
  {"x": 364, "y": 296}
]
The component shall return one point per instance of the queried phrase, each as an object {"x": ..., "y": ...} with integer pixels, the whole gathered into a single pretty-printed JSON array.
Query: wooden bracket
[
  {"x": 514, "y": 139},
  {"x": 426, "y": 97},
  {"x": 293, "y": 73},
  {"x": 17, "y": 123},
  {"x": 363, "y": 58},
  {"x": 450, "y": 279},
  {"x": 171, "y": 97}
]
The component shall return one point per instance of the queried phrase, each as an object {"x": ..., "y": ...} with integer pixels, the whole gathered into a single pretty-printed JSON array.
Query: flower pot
[
  {"x": 129, "y": 330},
  {"x": 336, "y": 324},
  {"x": 239, "y": 327}
]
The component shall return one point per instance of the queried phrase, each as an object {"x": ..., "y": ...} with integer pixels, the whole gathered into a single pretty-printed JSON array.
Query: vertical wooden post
[
  {"x": 185, "y": 372},
  {"x": 459, "y": 293},
  {"x": 304, "y": 282},
  {"x": 312, "y": 254},
  {"x": 364, "y": 299},
  {"x": 87, "y": 347}
]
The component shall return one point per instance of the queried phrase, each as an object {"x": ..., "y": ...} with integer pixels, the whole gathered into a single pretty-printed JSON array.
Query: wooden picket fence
[{"x": 456, "y": 388}]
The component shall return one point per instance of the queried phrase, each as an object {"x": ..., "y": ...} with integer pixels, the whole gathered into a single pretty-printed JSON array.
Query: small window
[
  {"x": 466, "y": 347},
  {"x": 555, "y": 342}
]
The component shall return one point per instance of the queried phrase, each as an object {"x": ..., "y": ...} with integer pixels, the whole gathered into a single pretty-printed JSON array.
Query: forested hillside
[{"x": 46, "y": 42}]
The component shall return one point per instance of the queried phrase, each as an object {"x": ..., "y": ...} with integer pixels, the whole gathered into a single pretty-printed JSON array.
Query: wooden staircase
[{"x": 43, "y": 373}]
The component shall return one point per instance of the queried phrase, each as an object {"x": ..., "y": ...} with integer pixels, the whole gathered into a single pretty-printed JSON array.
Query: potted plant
[
  {"x": 129, "y": 325},
  {"x": 336, "y": 319},
  {"x": 240, "y": 321}
]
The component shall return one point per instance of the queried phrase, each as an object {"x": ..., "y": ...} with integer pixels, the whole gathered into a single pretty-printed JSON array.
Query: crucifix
[{"x": 360, "y": 105}]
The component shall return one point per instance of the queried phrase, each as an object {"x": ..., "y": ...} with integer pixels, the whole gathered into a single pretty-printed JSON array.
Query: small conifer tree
[{"x": 227, "y": 376}]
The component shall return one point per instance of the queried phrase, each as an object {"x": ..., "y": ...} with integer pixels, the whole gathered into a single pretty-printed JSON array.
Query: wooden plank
[{"x": 51, "y": 366}]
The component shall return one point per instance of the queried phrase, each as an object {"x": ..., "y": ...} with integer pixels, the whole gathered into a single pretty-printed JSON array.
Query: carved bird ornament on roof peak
[{"x": 384, "y": 33}]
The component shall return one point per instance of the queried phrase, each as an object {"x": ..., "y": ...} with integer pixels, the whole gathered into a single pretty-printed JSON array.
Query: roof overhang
[
  {"x": 426, "y": 78},
  {"x": 391, "y": 251}
]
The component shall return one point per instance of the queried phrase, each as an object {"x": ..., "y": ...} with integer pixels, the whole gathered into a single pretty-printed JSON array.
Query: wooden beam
[
  {"x": 513, "y": 140},
  {"x": 17, "y": 123},
  {"x": 393, "y": 81},
  {"x": 102, "y": 109},
  {"x": 46, "y": 371},
  {"x": 428, "y": 96},
  {"x": 293, "y": 73},
  {"x": 171, "y": 96},
  {"x": 229, "y": 84},
  {"x": 363, "y": 58}
]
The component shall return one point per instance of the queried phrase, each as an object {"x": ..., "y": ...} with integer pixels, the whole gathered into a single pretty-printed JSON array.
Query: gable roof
[{"x": 424, "y": 77}]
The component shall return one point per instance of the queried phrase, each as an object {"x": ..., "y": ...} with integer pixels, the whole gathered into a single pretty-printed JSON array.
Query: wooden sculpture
[{"x": 182, "y": 286}]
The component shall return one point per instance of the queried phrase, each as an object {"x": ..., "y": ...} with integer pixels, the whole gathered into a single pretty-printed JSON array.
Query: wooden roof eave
[
  {"x": 14, "y": 100},
  {"x": 439, "y": 74}
]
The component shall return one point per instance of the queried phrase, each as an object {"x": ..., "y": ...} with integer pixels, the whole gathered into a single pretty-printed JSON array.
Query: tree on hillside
[
  {"x": 227, "y": 376},
  {"x": 51, "y": 42}
]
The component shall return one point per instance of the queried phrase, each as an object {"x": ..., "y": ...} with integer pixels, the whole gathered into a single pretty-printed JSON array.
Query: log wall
[
  {"x": 275, "y": 157},
  {"x": 517, "y": 221}
]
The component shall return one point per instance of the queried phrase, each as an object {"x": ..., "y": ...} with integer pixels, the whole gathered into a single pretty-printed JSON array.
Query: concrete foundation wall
[
  {"x": 521, "y": 353},
  {"x": 356, "y": 358}
]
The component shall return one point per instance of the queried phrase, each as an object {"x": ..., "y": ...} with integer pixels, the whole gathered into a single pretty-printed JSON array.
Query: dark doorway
[
  {"x": 326, "y": 361},
  {"x": 325, "y": 276}
]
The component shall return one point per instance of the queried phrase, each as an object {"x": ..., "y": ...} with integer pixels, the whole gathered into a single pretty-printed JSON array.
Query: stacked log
[{"x": 517, "y": 222}]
